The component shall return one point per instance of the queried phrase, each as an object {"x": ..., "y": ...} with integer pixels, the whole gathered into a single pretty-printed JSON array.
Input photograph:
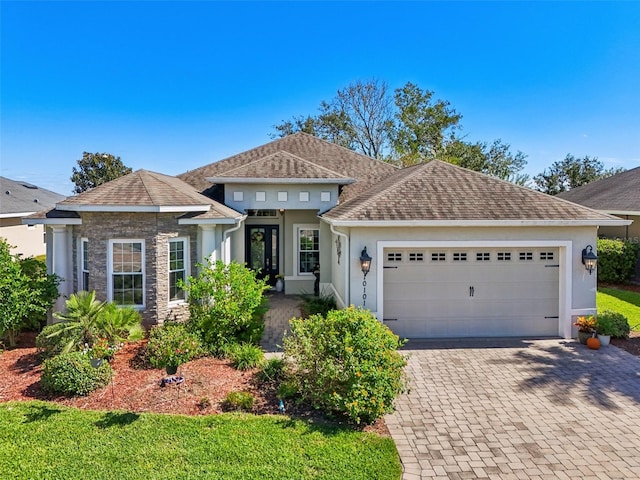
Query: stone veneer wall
[{"x": 155, "y": 229}]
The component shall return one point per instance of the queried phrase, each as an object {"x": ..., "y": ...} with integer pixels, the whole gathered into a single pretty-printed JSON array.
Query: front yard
[
  {"x": 625, "y": 301},
  {"x": 47, "y": 440}
]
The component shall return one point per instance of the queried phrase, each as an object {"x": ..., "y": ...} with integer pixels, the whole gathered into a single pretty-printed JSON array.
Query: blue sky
[{"x": 172, "y": 86}]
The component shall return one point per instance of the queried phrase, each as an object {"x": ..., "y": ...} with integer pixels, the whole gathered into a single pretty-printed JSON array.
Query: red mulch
[{"x": 136, "y": 388}]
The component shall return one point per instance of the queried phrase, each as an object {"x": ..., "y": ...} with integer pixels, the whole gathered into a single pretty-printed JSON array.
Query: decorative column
[
  {"x": 209, "y": 242},
  {"x": 61, "y": 263}
]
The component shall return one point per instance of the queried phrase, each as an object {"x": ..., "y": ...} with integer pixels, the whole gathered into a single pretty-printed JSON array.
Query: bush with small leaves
[
  {"x": 246, "y": 356},
  {"x": 240, "y": 401},
  {"x": 72, "y": 374},
  {"x": 616, "y": 323},
  {"x": 346, "y": 362},
  {"x": 288, "y": 389},
  {"x": 172, "y": 344}
]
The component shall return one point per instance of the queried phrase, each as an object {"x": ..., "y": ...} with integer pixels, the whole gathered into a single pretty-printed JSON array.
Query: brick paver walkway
[
  {"x": 518, "y": 409},
  {"x": 282, "y": 308}
]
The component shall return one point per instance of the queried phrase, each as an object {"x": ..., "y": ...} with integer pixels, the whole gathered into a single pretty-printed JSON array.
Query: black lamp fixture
[
  {"x": 589, "y": 259},
  {"x": 365, "y": 265}
]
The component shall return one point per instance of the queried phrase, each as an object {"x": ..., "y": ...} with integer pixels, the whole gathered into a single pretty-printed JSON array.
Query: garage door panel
[{"x": 477, "y": 297}]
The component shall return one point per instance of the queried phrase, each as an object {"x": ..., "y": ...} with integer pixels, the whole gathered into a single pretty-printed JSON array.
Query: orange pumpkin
[{"x": 593, "y": 343}]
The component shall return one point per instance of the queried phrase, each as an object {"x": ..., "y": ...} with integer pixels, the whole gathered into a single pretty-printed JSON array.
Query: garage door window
[
  {"x": 394, "y": 257},
  {"x": 526, "y": 256},
  {"x": 416, "y": 257},
  {"x": 438, "y": 257},
  {"x": 459, "y": 257},
  {"x": 504, "y": 256},
  {"x": 483, "y": 257},
  {"x": 546, "y": 255}
]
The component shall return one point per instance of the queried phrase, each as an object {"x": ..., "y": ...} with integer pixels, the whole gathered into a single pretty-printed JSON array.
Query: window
[
  {"x": 126, "y": 267},
  {"x": 308, "y": 249},
  {"x": 438, "y": 257},
  {"x": 526, "y": 256},
  {"x": 483, "y": 256},
  {"x": 282, "y": 196},
  {"x": 84, "y": 265},
  {"x": 262, "y": 213},
  {"x": 459, "y": 257},
  {"x": 238, "y": 196},
  {"x": 546, "y": 255},
  {"x": 394, "y": 257},
  {"x": 304, "y": 196},
  {"x": 261, "y": 196},
  {"x": 416, "y": 257},
  {"x": 504, "y": 256},
  {"x": 325, "y": 196},
  {"x": 178, "y": 261}
]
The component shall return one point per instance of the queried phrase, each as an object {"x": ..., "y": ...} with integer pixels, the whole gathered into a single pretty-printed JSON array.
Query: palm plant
[
  {"x": 119, "y": 324},
  {"x": 80, "y": 319}
]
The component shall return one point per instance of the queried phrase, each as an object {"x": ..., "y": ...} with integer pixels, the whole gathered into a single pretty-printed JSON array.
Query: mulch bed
[{"x": 136, "y": 388}]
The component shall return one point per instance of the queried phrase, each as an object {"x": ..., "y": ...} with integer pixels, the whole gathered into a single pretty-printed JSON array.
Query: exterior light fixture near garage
[
  {"x": 589, "y": 259},
  {"x": 365, "y": 265}
]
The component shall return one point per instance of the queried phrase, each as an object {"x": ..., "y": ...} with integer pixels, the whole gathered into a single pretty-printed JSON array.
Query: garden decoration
[
  {"x": 586, "y": 328},
  {"x": 593, "y": 343}
]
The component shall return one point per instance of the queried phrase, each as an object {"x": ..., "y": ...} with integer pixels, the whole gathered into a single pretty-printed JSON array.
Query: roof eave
[
  {"x": 135, "y": 208},
  {"x": 208, "y": 221},
  {"x": 16, "y": 214},
  {"x": 476, "y": 223},
  {"x": 280, "y": 181},
  {"x": 620, "y": 212},
  {"x": 52, "y": 221}
]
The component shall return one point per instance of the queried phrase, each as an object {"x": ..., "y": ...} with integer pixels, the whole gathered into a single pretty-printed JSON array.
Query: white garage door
[{"x": 472, "y": 292}]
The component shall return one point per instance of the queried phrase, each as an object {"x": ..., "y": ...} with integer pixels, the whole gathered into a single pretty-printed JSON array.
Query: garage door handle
[{"x": 390, "y": 267}]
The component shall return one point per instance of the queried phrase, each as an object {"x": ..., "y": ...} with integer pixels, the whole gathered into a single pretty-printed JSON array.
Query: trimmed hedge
[
  {"x": 72, "y": 374},
  {"x": 616, "y": 260}
]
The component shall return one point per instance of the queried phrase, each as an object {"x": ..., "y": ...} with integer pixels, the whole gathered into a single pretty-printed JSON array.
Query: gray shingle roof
[
  {"x": 365, "y": 170},
  {"x": 282, "y": 165},
  {"x": 22, "y": 197},
  {"x": 143, "y": 188},
  {"x": 618, "y": 193},
  {"x": 441, "y": 191}
]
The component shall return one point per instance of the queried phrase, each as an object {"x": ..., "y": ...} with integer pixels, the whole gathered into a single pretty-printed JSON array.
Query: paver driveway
[{"x": 518, "y": 409}]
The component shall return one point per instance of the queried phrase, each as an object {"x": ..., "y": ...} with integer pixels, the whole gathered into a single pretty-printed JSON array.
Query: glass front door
[{"x": 262, "y": 243}]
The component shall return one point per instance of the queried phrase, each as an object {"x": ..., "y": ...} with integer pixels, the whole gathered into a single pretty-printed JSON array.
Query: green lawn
[
  {"x": 47, "y": 441},
  {"x": 622, "y": 301}
]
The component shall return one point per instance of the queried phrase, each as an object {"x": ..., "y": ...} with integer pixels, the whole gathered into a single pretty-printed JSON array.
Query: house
[
  {"x": 19, "y": 200},
  {"x": 453, "y": 252},
  {"x": 617, "y": 195}
]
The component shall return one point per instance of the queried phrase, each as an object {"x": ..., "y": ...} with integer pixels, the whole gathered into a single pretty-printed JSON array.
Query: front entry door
[{"x": 262, "y": 243}]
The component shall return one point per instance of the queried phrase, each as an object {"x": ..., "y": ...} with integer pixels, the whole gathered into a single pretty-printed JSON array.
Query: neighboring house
[
  {"x": 617, "y": 195},
  {"x": 19, "y": 200},
  {"x": 455, "y": 253}
]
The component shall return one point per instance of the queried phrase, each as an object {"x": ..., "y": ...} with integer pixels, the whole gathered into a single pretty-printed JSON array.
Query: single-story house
[
  {"x": 454, "y": 253},
  {"x": 17, "y": 201},
  {"x": 617, "y": 195}
]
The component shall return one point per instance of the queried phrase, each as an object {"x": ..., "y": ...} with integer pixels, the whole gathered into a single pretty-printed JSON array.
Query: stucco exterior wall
[
  {"x": 630, "y": 232},
  {"x": 155, "y": 229},
  {"x": 26, "y": 240},
  {"x": 315, "y": 200}
]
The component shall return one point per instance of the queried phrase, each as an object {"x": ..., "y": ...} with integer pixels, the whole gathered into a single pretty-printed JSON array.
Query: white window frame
[
  {"x": 283, "y": 196},
  {"x": 238, "y": 196},
  {"x": 82, "y": 268},
  {"x": 296, "y": 235},
  {"x": 261, "y": 196},
  {"x": 110, "y": 272},
  {"x": 186, "y": 267},
  {"x": 304, "y": 197}
]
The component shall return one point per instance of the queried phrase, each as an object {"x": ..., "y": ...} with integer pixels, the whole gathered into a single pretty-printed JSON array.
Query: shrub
[
  {"x": 225, "y": 303},
  {"x": 53, "y": 339},
  {"x": 322, "y": 304},
  {"x": 272, "y": 370},
  {"x": 288, "y": 389},
  {"x": 72, "y": 374},
  {"x": 613, "y": 322},
  {"x": 616, "y": 260},
  {"x": 347, "y": 363},
  {"x": 172, "y": 344},
  {"x": 240, "y": 401},
  {"x": 245, "y": 356}
]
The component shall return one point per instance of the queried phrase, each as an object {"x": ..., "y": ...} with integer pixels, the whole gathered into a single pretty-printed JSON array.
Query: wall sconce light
[
  {"x": 365, "y": 265},
  {"x": 589, "y": 259}
]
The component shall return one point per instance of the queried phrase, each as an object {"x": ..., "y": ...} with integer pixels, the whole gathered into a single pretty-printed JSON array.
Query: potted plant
[
  {"x": 605, "y": 328},
  {"x": 171, "y": 345},
  {"x": 586, "y": 328},
  {"x": 279, "y": 282},
  {"x": 99, "y": 351}
]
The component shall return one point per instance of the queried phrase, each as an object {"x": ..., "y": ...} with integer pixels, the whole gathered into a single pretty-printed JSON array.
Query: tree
[
  {"x": 409, "y": 128},
  {"x": 26, "y": 292},
  {"x": 495, "y": 159},
  {"x": 422, "y": 127},
  {"x": 570, "y": 173},
  {"x": 95, "y": 169}
]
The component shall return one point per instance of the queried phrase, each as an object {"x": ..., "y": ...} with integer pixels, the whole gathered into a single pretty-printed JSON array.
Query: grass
[
  {"x": 623, "y": 301},
  {"x": 45, "y": 440}
]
